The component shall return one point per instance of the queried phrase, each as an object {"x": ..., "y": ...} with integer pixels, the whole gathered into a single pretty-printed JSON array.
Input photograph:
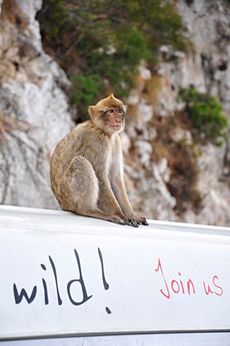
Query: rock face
[
  {"x": 166, "y": 177},
  {"x": 207, "y": 68},
  {"x": 33, "y": 107}
]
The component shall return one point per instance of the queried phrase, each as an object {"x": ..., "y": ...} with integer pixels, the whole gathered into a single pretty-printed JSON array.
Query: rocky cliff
[
  {"x": 168, "y": 176},
  {"x": 33, "y": 107}
]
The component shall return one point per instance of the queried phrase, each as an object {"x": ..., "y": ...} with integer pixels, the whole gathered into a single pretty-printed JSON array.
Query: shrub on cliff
[
  {"x": 100, "y": 43},
  {"x": 206, "y": 116}
]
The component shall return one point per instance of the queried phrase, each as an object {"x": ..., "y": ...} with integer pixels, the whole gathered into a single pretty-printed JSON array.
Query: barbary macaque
[{"x": 87, "y": 167}]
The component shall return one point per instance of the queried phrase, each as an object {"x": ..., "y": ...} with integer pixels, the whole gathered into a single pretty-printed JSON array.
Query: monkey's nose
[{"x": 118, "y": 120}]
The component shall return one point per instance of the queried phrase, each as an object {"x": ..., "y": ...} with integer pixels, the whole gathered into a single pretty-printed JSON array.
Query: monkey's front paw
[
  {"x": 132, "y": 222},
  {"x": 142, "y": 221},
  {"x": 136, "y": 221}
]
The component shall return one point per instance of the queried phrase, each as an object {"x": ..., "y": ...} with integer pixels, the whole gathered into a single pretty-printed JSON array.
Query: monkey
[{"x": 86, "y": 168}]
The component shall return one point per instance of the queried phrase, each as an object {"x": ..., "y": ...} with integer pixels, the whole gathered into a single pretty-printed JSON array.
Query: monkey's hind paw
[{"x": 117, "y": 219}]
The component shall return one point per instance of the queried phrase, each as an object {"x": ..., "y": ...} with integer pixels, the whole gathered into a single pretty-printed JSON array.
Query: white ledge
[
  {"x": 56, "y": 220},
  {"x": 68, "y": 275}
]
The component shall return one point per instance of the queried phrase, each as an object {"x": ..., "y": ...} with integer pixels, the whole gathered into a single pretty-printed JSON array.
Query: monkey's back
[{"x": 83, "y": 141}]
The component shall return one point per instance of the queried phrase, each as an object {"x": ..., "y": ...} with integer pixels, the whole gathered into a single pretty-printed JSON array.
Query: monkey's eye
[
  {"x": 114, "y": 110},
  {"x": 110, "y": 111},
  {"x": 119, "y": 110}
]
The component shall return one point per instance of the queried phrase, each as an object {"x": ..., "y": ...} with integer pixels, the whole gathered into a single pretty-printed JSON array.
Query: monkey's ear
[
  {"x": 91, "y": 111},
  {"x": 125, "y": 108}
]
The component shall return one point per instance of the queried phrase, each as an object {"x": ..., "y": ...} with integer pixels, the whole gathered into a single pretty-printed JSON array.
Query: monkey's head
[{"x": 108, "y": 114}]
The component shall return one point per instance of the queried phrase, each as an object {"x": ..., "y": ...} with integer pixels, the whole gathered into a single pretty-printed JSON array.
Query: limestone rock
[
  {"x": 207, "y": 68},
  {"x": 33, "y": 108}
]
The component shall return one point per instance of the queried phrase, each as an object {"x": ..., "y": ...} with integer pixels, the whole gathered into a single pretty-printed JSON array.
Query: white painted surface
[{"x": 144, "y": 268}]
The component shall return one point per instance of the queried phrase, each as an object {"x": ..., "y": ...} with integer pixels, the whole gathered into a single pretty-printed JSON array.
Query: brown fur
[{"x": 87, "y": 168}]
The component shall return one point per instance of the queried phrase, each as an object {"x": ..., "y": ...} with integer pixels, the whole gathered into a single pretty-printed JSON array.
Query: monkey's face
[
  {"x": 113, "y": 119},
  {"x": 109, "y": 115}
]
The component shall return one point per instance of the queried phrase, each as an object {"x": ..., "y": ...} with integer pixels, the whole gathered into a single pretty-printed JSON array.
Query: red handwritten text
[{"x": 179, "y": 285}]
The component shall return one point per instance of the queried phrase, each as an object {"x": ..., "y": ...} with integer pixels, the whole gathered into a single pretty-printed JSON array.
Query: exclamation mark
[{"x": 105, "y": 283}]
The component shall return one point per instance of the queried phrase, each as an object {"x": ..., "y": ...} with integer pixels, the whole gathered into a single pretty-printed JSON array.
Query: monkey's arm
[{"x": 118, "y": 186}]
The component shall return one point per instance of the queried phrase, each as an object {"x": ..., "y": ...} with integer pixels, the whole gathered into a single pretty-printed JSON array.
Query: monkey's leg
[
  {"x": 79, "y": 191},
  {"x": 108, "y": 202},
  {"x": 107, "y": 199}
]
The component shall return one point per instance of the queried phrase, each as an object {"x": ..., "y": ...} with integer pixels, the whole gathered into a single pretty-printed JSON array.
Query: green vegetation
[
  {"x": 100, "y": 43},
  {"x": 86, "y": 89},
  {"x": 206, "y": 116}
]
